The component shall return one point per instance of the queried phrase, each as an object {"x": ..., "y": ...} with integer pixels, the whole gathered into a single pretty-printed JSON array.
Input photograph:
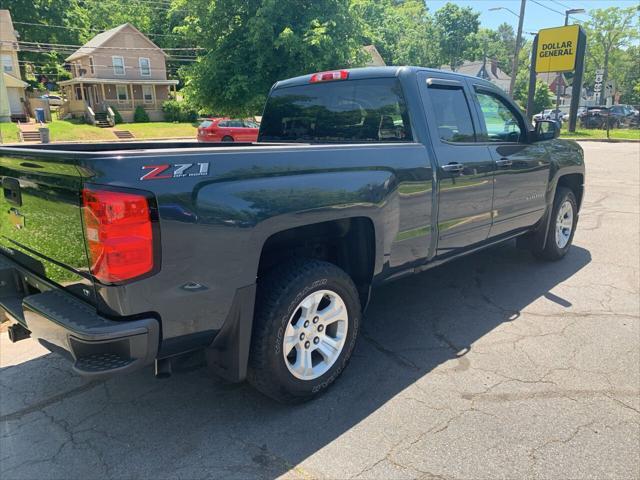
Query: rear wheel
[
  {"x": 227, "y": 139},
  {"x": 562, "y": 226},
  {"x": 306, "y": 325}
]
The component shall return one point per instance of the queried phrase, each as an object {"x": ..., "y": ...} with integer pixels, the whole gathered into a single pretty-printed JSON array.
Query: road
[{"x": 495, "y": 366}]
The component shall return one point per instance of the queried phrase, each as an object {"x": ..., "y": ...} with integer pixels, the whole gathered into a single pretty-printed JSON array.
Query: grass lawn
[
  {"x": 159, "y": 129},
  {"x": 626, "y": 134},
  {"x": 9, "y": 132},
  {"x": 70, "y": 131}
]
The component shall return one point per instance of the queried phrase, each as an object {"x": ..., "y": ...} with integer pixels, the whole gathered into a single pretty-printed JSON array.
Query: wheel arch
[
  {"x": 349, "y": 243},
  {"x": 575, "y": 183}
]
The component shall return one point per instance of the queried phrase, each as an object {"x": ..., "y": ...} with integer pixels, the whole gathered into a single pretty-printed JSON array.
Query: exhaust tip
[
  {"x": 163, "y": 368},
  {"x": 17, "y": 332}
]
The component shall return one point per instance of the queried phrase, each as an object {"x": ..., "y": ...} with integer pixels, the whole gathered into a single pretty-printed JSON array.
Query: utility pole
[{"x": 516, "y": 53}]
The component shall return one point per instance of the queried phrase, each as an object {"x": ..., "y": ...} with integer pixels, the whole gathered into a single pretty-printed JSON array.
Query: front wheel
[
  {"x": 307, "y": 320},
  {"x": 562, "y": 226}
]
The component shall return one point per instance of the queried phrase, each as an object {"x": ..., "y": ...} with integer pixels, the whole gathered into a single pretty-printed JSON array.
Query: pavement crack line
[{"x": 17, "y": 415}]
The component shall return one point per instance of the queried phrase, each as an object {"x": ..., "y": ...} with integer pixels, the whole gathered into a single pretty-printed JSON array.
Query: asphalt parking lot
[{"x": 494, "y": 366}]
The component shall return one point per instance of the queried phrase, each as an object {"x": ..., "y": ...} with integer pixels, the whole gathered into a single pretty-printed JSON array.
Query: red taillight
[
  {"x": 329, "y": 76},
  {"x": 118, "y": 233}
]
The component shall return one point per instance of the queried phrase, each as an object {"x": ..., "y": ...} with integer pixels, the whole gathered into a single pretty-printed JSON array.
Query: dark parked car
[
  {"x": 625, "y": 115},
  {"x": 617, "y": 116},
  {"x": 596, "y": 117},
  {"x": 265, "y": 255}
]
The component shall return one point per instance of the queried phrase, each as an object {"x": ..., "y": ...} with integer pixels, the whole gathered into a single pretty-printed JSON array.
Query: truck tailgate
[{"x": 41, "y": 220}]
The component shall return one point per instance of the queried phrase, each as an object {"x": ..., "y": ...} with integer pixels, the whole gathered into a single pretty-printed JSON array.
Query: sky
[{"x": 536, "y": 16}]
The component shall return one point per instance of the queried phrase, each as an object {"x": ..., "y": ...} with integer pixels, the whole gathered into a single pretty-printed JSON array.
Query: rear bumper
[{"x": 97, "y": 346}]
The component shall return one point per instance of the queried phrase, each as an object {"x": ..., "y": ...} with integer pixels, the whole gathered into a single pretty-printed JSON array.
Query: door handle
[
  {"x": 504, "y": 162},
  {"x": 453, "y": 167}
]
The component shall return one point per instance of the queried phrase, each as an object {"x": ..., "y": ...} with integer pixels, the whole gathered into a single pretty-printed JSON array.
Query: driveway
[{"x": 494, "y": 366}]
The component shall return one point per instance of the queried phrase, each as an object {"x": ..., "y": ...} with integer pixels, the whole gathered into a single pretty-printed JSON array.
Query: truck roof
[{"x": 378, "y": 72}]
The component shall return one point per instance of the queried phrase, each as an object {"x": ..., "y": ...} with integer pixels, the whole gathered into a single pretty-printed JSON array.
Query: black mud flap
[{"x": 228, "y": 354}]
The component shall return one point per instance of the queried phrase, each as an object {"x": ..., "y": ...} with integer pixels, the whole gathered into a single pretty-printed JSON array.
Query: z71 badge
[{"x": 179, "y": 170}]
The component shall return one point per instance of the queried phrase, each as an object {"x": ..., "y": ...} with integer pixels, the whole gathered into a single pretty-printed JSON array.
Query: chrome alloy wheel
[
  {"x": 564, "y": 224},
  {"x": 315, "y": 335}
]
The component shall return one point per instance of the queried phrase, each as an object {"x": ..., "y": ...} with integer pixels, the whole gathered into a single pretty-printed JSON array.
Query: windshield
[{"x": 354, "y": 111}]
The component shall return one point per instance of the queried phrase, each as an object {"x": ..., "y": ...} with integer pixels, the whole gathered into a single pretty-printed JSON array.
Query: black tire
[
  {"x": 227, "y": 139},
  {"x": 551, "y": 251},
  {"x": 279, "y": 295}
]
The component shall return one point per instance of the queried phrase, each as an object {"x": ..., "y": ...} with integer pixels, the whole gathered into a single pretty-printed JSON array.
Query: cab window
[
  {"x": 352, "y": 111},
  {"x": 501, "y": 123},
  {"x": 452, "y": 115}
]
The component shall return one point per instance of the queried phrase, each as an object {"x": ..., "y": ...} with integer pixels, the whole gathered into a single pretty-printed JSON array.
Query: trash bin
[
  {"x": 44, "y": 135},
  {"x": 40, "y": 115}
]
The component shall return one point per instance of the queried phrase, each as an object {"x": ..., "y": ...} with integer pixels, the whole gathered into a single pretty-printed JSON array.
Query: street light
[
  {"x": 514, "y": 68},
  {"x": 571, "y": 12},
  {"x": 493, "y": 9}
]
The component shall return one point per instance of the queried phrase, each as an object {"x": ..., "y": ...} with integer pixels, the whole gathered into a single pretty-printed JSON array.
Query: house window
[
  {"x": 147, "y": 93},
  {"x": 145, "y": 67},
  {"x": 7, "y": 63},
  {"x": 122, "y": 93},
  {"x": 91, "y": 66},
  {"x": 78, "y": 93},
  {"x": 118, "y": 65}
]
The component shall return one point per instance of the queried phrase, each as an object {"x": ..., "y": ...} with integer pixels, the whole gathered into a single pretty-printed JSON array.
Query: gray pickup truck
[{"x": 264, "y": 255}]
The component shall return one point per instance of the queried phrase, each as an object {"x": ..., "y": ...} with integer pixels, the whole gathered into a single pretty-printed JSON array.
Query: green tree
[
  {"x": 630, "y": 80},
  {"x": 608, "y": 31},
  {"x": 497, "y": 45},
  {"x": 253, "y": 44},
  {"x": 403, "y": 32},
  {"x": 543, "y": 97},
  {"x": 457, "y": 28}
]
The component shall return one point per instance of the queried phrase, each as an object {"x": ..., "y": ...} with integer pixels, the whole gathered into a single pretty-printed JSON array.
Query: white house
[{"x": 12, "y": 88}]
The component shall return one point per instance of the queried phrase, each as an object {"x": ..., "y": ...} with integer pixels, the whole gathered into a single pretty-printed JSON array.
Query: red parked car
[{"x": 228, "y": 130}]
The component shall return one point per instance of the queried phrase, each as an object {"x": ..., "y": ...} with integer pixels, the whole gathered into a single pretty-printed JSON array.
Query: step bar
[{"x": 64, "y": 324}]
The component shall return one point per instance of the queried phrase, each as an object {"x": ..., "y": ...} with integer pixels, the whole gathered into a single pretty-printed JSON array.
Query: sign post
[
  {"x": 559, "y": 49},
  {"x": 597, "y": 85}
]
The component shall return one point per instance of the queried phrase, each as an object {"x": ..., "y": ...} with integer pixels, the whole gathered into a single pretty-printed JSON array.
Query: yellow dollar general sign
[{"x": 557, "y": 49}]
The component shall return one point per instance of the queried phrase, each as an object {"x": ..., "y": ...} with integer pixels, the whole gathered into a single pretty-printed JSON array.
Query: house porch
[{"x": 86, "y": 97}]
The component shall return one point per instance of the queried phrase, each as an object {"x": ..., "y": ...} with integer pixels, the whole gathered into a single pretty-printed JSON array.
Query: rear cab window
[
  {"x": 452, "y": 114},
  {"x": 351, "y": 111},
  {"x": 206, "y": 124}
]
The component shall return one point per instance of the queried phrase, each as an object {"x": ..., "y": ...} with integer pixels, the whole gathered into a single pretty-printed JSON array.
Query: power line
[
  {"x": 35, "y": 65},
  {"x": 175, "y": 35},
  {"x": 569, "y": 8},
  {"x": 554, "y": 10},
  {"x": 155, "y": 5},
  {"x": 79, "y": 47},
  {"x": 561, "y": 4},
  {"x": 68, "y": 52}
]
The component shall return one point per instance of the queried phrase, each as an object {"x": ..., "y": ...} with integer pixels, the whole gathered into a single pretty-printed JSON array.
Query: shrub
[
  {"x": 175, "y": 111},
  {"x": 117, "y": 118},
  {"x": 140, "y": 115}
]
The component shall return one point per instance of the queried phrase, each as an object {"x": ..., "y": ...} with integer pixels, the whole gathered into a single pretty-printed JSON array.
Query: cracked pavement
[{"x": 494, "y": 366}]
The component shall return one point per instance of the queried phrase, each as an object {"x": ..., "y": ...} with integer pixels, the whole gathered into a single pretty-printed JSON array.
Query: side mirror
[{"x": 547, "y": 130}]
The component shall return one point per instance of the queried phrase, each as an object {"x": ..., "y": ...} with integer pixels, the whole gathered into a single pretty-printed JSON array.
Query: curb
[{"x": 603, "y": 140}]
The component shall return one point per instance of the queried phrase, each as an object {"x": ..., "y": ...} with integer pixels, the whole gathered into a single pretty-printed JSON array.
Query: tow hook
[
  {"x": 163, "y": 368},
  {"x": 17, "y": 332}
]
